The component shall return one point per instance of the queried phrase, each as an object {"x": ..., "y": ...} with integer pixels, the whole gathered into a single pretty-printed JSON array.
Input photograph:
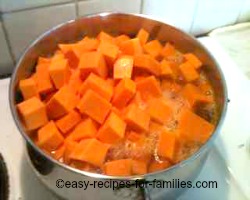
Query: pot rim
[{"x": 194, "y": 156}]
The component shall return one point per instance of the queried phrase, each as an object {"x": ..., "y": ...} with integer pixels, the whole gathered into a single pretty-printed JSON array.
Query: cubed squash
[
  {"x": 62, "y": 102},
  {"x": 143, "y": 36},
  {"x": 168, "y": 50},
  {"x": 113, "y": 129},
  {"x": 91, "y": 151},
  {"x": 68, "y": 122},
  {"x": 158, "y": 165},
  {"x": 49, "y": 137},
  {"x": 28, "y": 88},
  {"x": 33, "y": 113},
  {"x": 121, "y": 167},
  {"x": 153, "y": 48},
  {"x": 69, "y": 148},
  {"x": 92, "y": 62},
  {"x": 193, "y": 59},
  {"x": 123, "y": 67},
  {"x": 124, "y": 92},
  {"x": 139, "y": 167},
  {"x": 189, "y": 72},
  {"x": 98, "y": 85},
  {"x": 85, "y": 129},
  {"x": 136, "y": 118},
  {"x": 166, "y": 70},
  {"x": 159, "y": 110},
  {"x": 109, "y": 50},
  {"x": 95, "y": 106},
  {"x": 131, "y": 47},
  {"x": 120, "y": 39}
]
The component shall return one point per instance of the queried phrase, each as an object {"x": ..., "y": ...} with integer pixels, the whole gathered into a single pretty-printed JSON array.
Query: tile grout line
[
  {"x": 8, "y": 42},
  {"x": 141, "y": 6},
  {"x": 77, "y": 8},
  {"x": 37, "y": 7}
]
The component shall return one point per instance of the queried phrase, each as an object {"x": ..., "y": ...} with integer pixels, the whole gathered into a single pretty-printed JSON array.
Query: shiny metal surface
[{"x": 48, "y": 169}]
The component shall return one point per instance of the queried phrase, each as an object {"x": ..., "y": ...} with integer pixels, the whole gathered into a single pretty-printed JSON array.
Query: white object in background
[
  {"x": 178, "y": 13},
  {"x": 25, "y": 26},
  {"x": 211, "y": 14},
  {"x": 236, "y": 128},
  {"x": 245, "y": 12},
  {"x": 6, "y": 63},
  {"x": 96, "y": 6},
  {"x": 13, "y": 5}
]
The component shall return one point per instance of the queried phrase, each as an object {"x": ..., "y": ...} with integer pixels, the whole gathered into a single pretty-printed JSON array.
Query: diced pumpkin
[
  {"x": 62, "y": 102},
  {"x": 166, "y": 144},
  {"x": 75, "y": 81},
  {"x": 139, "y": 167},
  {"x": 59, "y": 72},
  {"x": 143, "y": 36},
  {"x": 131, "y": 47},
  {"x": 86, "y": 129},
  {"x": 42, "y": 78},
  {"x": 136, "y": 118},
  {"x": 153, "y": 48},
  {"x": 85, "y": 45},
  {"x": 98, "y": 85},
  {"x": 168, "y": 50},
  {"x": 193, "y": 95},
  {"x": 69, "y": 148},
  {"x": 121, "y": 167},
  {"x": 43, "y": 60},
  {"x": 120, "y": 39},
  {"x": 33, "y": 113},
  {"x": 166, "y": 70},
  {"x": 149, "y": 87},
  {"x": 93, "y": 105},
  {"x": 147, "y": 63},
  {"x": 28, "y": 88},
  {"x": 69, "y": 54},
  {"x": 158, "y": 166},
  {"x": 155, "y": 128},
  {"x": 194, "y": 128},
  {"x": 93, "y": 62},
  {"x": 49, "y": 137},
  {"x": 189, "y": 72},
  {"x": 123, "y": 67},
  {"x": 124, "y": 92},
  {"x": 103, "y": 36},
  {"x": 191, "y": 58},
  {"x": 159, "y": 110},
  {"x": 109, "y": 50},
  {"x": 91, "y": 151},
  {"x": 113, "y": 130},
  {"x": 68, "y": 122}
]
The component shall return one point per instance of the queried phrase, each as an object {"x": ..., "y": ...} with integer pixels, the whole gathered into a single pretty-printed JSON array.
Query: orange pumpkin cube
[
  {"x": 191, "y": 58},
  {"x": 123, "y": 67},
  {"x": 136, "y": 118},
  {"x": 131, "y": 47},
  {"x": 159, "y": 110},
  {"x": 121, "y": 167},
  {"x": 166, "y": 70},
  {"x": 33, "y": 113},
  {"x": 153, "y": 48},
  {"x": 86, "y": 129},
  {"x": 49, "y": 138},
  {"x": 92, "y": 62},
  {"x": 194, "y": 128},
  {"x": 143, "y": 36},
  {"x": 112, "y": 130},
  {"x": 124, "y": 92},
  {"x": 189, "y": 72},
  {"x": 28, "y": 88},
  {"x": 69, "y": 121},
  {"x": 98, "y": 85},
  {"x": 93, "y": 105},
  {"x": 166, "y": 144},
  {"x": 61, "y": 103},
  {"x": 91, "y": 151},
  {"x": 139, "y": 167}
]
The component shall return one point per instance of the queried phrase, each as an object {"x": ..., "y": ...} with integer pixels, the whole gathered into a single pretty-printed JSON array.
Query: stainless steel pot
[{"x": 50, "y": 170}]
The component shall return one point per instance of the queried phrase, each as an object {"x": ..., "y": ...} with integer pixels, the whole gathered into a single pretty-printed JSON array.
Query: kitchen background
[{"x": 21, "y": 21}]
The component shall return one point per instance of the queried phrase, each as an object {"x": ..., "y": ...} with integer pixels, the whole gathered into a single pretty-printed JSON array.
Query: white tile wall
[
  {"x": 215, "y": 13},
  {"x": 94, "y": 6},
  {"x": 6, "y": 63},
  {"x": 245, "y": 12},
  {"x": 11, "y": 5},
  {"x": 25, "y": 26},
  {"x": 179, "y": 13}
]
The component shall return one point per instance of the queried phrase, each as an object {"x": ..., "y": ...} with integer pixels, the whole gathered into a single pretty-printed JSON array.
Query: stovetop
[{"x": 228, "y": 162}]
